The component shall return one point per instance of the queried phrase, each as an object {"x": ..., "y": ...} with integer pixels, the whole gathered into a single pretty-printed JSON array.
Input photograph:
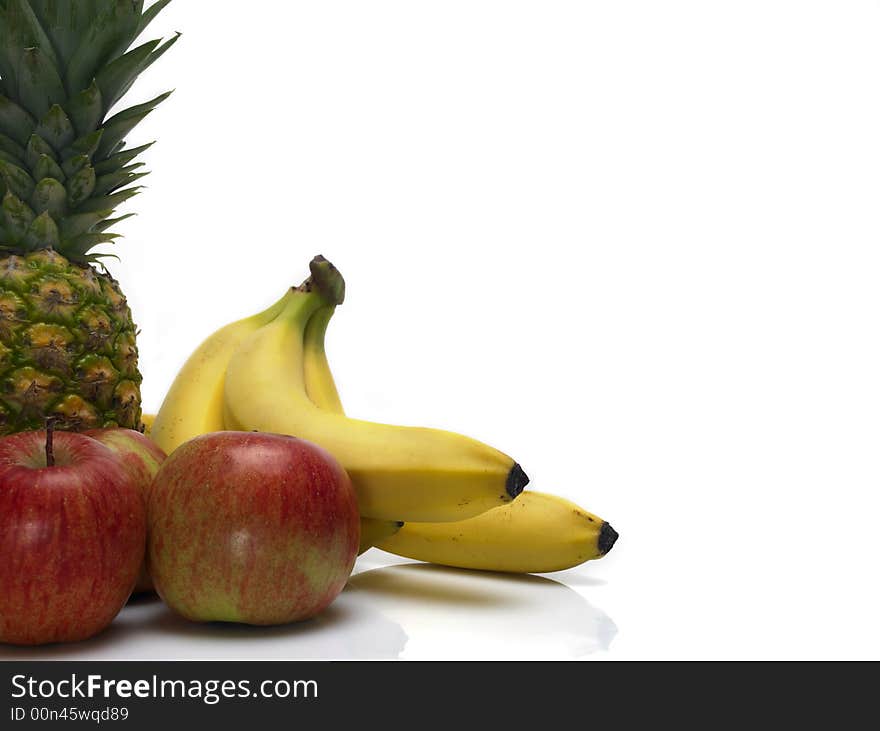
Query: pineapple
[{"x": 67, "y": 339}]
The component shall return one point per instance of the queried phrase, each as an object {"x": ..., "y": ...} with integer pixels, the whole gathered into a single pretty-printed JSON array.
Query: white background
[{"x": 632, "y": 244}]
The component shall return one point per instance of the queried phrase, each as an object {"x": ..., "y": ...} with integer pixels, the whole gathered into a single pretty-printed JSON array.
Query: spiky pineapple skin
[{"x": 67, "y": 347}]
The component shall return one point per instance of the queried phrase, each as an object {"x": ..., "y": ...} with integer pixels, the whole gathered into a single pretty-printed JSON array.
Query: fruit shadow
[
  {"x": 578, "y": 576},
  {"x": 429, "y": 581},
  {"x": 167, "y": 622},
  {"x": 583, "y": 575},
  {"x": 574, "y": 577},
  {"x": 342, "y": 630},
  {"x": 439, "y": 584}
]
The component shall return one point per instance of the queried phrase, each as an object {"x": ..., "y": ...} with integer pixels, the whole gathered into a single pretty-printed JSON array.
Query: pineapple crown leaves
[{"x": 64, "y": 166}]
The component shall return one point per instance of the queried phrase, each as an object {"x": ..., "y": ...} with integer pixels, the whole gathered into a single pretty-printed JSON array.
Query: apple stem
[{"x": 50, "y": 432}]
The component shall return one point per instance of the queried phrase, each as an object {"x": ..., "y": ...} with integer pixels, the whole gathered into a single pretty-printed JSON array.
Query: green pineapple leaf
[
  {"x": 111, "y": 222},
  {"x": 160, "y": 51},
  {"x": 114, "y": 181},
  {"x": 151, "y": 14},
  {"x": 64, "y": 168},
  {"x": 98, "y": 258},
  {"x": 72, "y": 165},
  {"x": 81, "y": 185},
  {"x": 11, "y": 147},
  {"x": 46, "y": 167},
  {"x": 17, "y": 216},
  {"x": 86, "y": 109},
  {"x": 64, "y": 22},
  {"x": 139, "y": 29},
  {"x": 20, "y": 30},
  {"x": 81, "y": 223},
  {"x": 50, "y": 196},
  {"x": 86, "y": 145},
  {"x": 80, "y": 245},
  {"x": 114, "y": 200},
  {"x": 8, "y": 82},
  {"x": 15, "y": 121},
  {"x": 39, "y": 86},
  {"x": 119, "y": 125},
  {"x": 56, "y": 128},
  {"x": 118, "y": 147},
  {"x": 24, "y": 24},
  {"x": 42, "y": 233},
  {"x": 17, "y": 180},
  {"x": 6, "y": 157},
  {"x": 117, "y": 77},
  {"x": 120, "y": 159},
  {"x": 109, "y": 33},
  {"x": 36, "y": 148}
]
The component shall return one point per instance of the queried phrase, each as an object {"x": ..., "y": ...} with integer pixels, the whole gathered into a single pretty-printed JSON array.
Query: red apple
[
  {"x": 72, "y": 536},
  {"x": 253, "y": 528},
  {"x": 142, "y": 458}
]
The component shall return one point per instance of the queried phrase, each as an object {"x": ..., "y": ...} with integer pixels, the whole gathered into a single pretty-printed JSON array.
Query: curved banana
[
  {"x": 321, "y": 389},
  {"x": 373, "y": 531},
  {"x": 194, "y": 403},
  {"x": 535, "y": 534},
  {"x": 318, "y": 379},
  {"x": 399, "y": 473}
]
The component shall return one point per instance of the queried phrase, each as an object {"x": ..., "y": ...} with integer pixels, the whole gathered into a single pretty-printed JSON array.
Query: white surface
[
  {"x": 389, "y": 610},
  {"x": 633, "y": 244}
]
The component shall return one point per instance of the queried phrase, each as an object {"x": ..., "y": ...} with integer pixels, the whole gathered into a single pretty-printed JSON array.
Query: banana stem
[{"x": 326, "y": 280}]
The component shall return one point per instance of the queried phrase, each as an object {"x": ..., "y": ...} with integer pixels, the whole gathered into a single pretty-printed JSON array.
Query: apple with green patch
[{"x": 253, "y": 528}]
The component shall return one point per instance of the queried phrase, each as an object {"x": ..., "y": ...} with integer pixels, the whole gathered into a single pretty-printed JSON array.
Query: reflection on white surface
[
  {"x": 403, "y": 610},
  {"x": 456, "y": 614},
  {"x": 147, "y": 630}
]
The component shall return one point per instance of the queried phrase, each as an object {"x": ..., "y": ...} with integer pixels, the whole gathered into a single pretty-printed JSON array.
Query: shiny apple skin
[
  {"x": 71, "y": 538},
  {"x": 253, "y": 528}
]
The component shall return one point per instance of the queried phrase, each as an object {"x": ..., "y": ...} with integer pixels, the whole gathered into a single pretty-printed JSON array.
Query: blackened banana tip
[
  {"x": 327, "y": 280},
  {"x": 516, "y": 481},
  {"x": 607, "y": 538}
]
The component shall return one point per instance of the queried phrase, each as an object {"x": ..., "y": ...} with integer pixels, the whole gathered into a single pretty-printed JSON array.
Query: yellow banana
[
  {"x": 537, "y": 533},
  {"x": 194, "y": 403},
  {"x": 148, "y": 420},
  {"x": 321, "y": 389},
  {"x": 373, "y": 531},
  {"x": 534, "y": 534},
  {"x": 318, "y": 379},
  {"x": 399, "y": 473}
]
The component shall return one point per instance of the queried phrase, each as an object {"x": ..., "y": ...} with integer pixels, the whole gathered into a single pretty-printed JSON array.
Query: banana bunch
[
  {"x": 251, "y": 376},
  {"x": 423, "y": 493}
]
